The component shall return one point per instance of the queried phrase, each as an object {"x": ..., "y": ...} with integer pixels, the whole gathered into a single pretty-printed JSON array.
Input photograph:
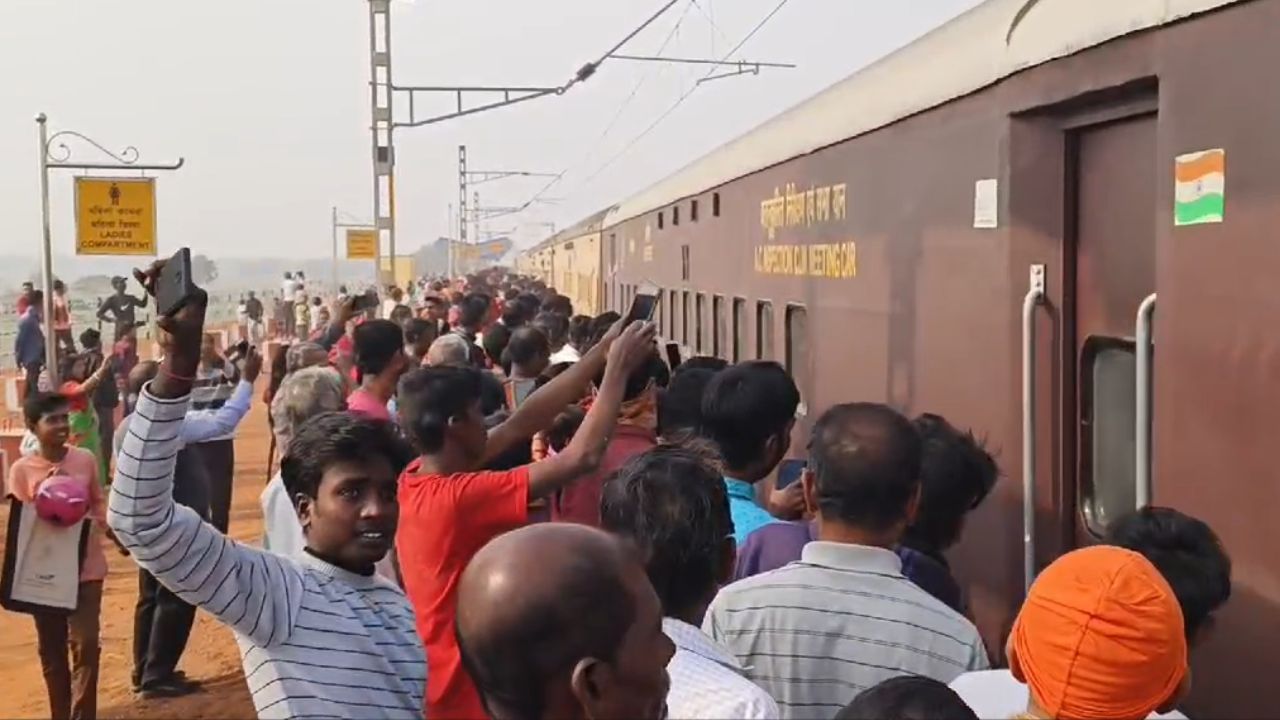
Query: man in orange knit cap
[{"x": 1100, "y": 637}]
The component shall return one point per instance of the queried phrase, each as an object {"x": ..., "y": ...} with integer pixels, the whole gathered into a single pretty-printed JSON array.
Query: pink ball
[{"x": 62, "y": 500}]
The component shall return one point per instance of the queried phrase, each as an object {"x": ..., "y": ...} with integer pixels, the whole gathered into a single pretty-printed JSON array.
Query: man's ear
[
  {"x": 303, "y": 505},
  {"x": 589, "y": 682}
]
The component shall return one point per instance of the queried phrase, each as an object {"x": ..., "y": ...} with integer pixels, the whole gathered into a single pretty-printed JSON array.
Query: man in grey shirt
[{"x": 844, "y": 618}]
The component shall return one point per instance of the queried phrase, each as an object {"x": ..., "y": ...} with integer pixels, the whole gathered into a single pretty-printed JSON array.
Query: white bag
[{"x": 42, "y": 561}]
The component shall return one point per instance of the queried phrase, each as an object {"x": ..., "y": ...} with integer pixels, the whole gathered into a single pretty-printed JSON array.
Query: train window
[
  {"x": 675, "y": 215},
  {"x": 684, "y": 263},
  {"x": 661, "y": 219},
  {"x": 739, "y": 328},
  {"x": 1109, "y": 440},
  {"x": 670, "y": 333},
  {"x": 718, "y": 343},
  {"x": 797, "y": 331},
  {"x": 701, "y": 313},
  {"x": 685, "y": 318},
  {"x": 764, "y": 330},
  {"x": 715, "y": 204},
  {"x": 693, "y": 211}
]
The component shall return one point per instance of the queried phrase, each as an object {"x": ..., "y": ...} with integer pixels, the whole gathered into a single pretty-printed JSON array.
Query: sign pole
[
  {"x": 60, "y": 159},
  {"x": 333, "y": 222},
  {"x": 46, "y": 257}
]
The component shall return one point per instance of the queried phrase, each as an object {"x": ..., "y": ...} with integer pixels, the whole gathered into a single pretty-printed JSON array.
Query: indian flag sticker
[{"x": 1200, "y": 190}]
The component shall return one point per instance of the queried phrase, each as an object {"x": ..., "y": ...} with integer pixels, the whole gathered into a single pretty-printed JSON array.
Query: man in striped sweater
[{"x": 320, "y": 634}]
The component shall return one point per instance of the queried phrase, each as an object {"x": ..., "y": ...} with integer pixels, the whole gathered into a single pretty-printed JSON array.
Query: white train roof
[{"x": 976, "y": 49}]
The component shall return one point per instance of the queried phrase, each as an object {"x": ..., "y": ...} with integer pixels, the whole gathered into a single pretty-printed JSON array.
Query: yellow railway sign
[
  {"x": 115, "y": 216},
  {"x": 362, "y": 244}
]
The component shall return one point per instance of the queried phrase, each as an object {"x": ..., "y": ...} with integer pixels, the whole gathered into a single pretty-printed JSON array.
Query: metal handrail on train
[
  {"x": 1142, "y": 431},
  {"x": 1035, "y": 297}
]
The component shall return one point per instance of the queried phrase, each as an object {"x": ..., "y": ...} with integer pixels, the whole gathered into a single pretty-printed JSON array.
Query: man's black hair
[
  {"x": 588, "y": 618},
  {"x": 430, "y": 397},
  {"x": 744, "y": 406},
  {"x": 703, "y": 362},
  {"x": 377, "y": 343},
  {"x": 510, "y": 294},
  {"x": 651, "y": 372},
  {"x": 417, "y": 328},
  {"x": 672, "y": 503},
  {"x": 39, "y": 404},
  {"x": 564, "y": 427},
  {"x": 601, "y": 323},
  {"x": 558, "y": 304},
  {"x": 338, "y": 437},
  {"x": 474, "y": 310},
  {"x": 680, "y": 407},
  {"x": 907, "y": 697},
  {"x": 956, "y": 475},
  {"x": 496, "y": 338},
  {"x": 865, "y": 459},
  {"x": 1187, "y": 553},
  {"x": 91, "y": 339},
  {"x": 528, "y": 305},
  {"x": 554, "y": 326},
  {"x": 513, "y": 316},
  {"x": 526, "y": 345},
  {"x": 37, "y": 298},
  {"x": 580, "y": 331}
]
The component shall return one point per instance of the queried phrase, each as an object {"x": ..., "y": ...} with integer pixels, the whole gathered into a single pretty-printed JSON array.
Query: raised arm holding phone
[{"x": 319, "y": 632}]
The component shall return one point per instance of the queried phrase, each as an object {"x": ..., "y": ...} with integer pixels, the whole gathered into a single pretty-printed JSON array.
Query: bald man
[{"x": 560, "y": 621}]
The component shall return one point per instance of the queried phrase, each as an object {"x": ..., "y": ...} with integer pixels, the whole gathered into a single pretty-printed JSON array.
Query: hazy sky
[{"x": 268, "y": 102}]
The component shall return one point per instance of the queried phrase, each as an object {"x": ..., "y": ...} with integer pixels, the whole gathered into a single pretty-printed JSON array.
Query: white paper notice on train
[{"x": 986, "y": 204}]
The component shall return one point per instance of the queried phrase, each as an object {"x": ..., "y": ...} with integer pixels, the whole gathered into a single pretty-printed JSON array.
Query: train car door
[{"x": 1111, "y": 270}]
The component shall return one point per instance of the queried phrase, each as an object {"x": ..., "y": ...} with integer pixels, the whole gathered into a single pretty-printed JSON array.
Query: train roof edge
[{"x": 982, "y": 46}]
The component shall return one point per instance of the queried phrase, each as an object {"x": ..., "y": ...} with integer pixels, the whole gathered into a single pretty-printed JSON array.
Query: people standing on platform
[
  {"x": 120, "y": 309},
  {"x": 24, "y": 297},
  {"x": 62, "y": 319},
  {"x": 28, "y": 343},
  {"x": 72, "y": 686},
  {"x": 106, "y": 398},
  {"x": 253, "y": 309},
  {"x": 845, "y": 609},
  {"x": 320, "y": 634},
  {"x": 449, "y": 508},
  {"x": 217, "y": 380},
  {"x": 288, "y": 291},
  {"x": 380, "y": 360},
  {"x": 671, "y": 504},
  {"x": 163, "y": 620},
  {"x": 748, "y": 411}
]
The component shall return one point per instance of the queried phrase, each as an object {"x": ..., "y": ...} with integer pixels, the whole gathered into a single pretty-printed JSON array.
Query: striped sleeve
[{"x": 258, "y": 594}]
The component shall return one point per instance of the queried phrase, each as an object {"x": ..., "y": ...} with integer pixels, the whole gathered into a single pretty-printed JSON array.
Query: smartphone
[
  {"x": 790, "y": 471},
  {"x": 239, "y": 351},
  {"x": 673, "y": 355},
  {"x": 367, "y": 301},
  {"x": 643, "y": 306},
  {"x": 175, "y": 287}
]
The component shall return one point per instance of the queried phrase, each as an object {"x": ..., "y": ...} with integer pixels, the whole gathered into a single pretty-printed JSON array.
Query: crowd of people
[{"x": 486, "y": 505}]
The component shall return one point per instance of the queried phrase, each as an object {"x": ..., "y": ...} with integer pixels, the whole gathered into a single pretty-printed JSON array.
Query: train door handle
[
  {"x": 1142, "y": 393},
  {"x": 1035, "y": 297}
]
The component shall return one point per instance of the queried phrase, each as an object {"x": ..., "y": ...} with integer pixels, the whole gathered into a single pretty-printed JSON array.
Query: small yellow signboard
[
  {"x": 362, "y": 244},
  {"x": 115, "y": 216}
]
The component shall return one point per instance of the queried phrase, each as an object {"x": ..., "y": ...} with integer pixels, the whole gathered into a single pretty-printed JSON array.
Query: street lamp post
[{"x": 126, "y": 159}]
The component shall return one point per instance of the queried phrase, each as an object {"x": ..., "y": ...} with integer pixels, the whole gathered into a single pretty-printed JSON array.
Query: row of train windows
[
  {"x": 693, "y": 212},
  {"x": 682, "y": 318}
]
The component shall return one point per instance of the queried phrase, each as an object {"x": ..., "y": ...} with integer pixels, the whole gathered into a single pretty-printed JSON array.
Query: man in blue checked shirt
[{"x": 162, "y": 621}]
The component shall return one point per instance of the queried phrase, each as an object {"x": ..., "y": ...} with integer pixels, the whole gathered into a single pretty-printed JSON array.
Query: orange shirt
[
  {"x": 28, "y": 473},
  {"x": 444, "y": 521}
]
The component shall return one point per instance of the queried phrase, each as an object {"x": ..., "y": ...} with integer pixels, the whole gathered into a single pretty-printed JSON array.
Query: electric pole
[{"x": 383, "y": 127}]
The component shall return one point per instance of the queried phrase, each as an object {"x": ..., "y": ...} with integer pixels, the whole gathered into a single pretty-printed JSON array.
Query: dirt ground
[{"x": 211, "y": 656}]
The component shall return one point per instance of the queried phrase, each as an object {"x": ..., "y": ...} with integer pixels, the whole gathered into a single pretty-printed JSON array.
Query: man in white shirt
[
  {"x": 288, "y": 290},
  {"x": 302, "y": 396},
  {"x": 1186, "y": 552},
  {"x": 672, "y": 503}
]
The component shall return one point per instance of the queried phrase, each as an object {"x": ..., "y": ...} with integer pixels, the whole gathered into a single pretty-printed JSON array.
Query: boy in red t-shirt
[{"x": 449, "y": 509}]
